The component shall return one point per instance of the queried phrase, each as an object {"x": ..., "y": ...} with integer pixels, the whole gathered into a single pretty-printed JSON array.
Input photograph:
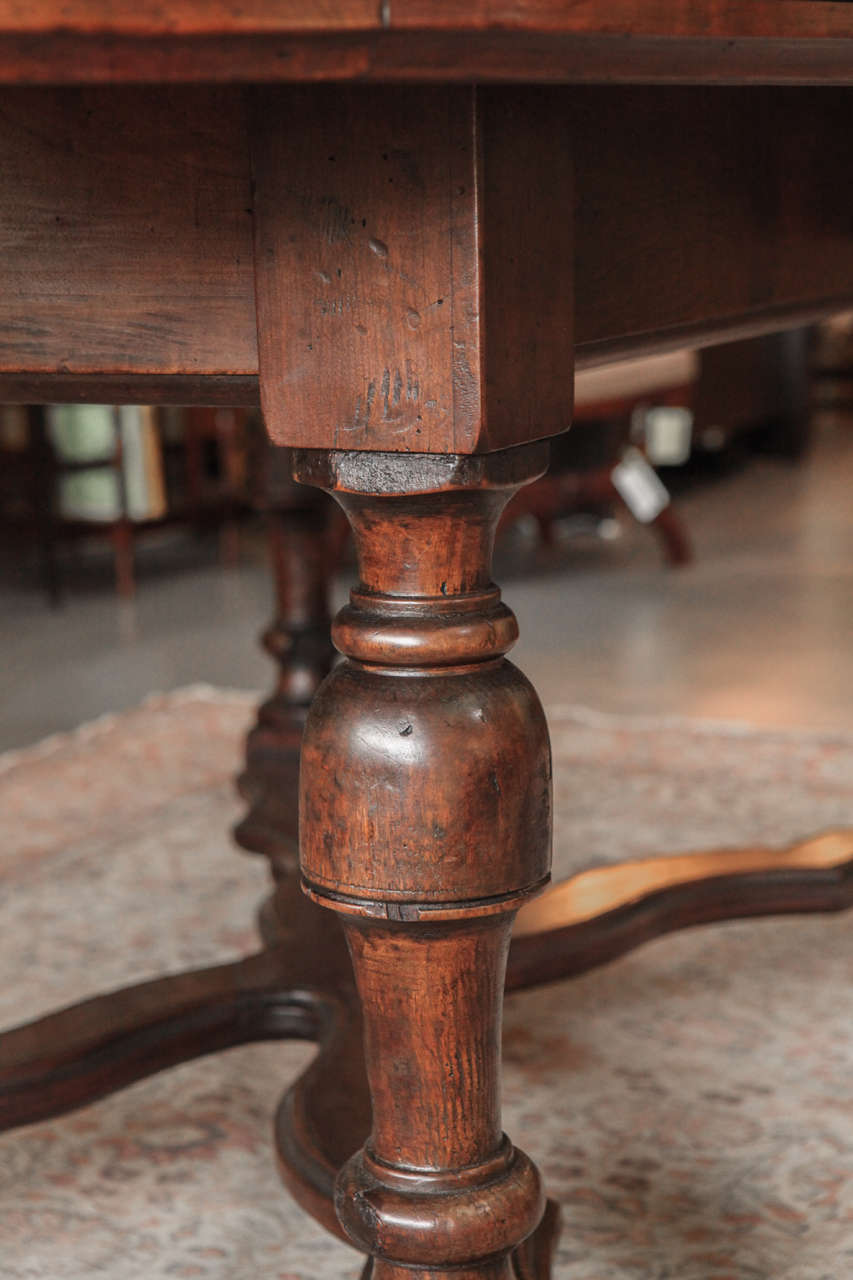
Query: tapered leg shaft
[{"x": 425, "y": 822}]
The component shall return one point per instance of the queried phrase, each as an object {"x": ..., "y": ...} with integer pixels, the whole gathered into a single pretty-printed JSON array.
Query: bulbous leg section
[{"x": 423, "y": 775}]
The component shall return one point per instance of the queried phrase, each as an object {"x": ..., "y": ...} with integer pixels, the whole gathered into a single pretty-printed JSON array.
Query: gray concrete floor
[{"x": 758, "y": 630}]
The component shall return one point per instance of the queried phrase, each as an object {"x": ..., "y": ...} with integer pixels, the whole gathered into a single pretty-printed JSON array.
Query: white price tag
[
  {"x": 639, "y": 486},
  {"x": 669, "y": 434}
]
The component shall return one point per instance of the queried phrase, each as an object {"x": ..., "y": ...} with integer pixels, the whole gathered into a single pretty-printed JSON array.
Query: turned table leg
[{"x": 425, "y": 822}]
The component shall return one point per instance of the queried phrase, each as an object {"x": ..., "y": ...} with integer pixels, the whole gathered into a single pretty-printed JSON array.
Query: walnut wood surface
[
  {"x": 126, "y": 234},
  {"x": 575, "y": 925},
  {"x": 299, "y": 987},
  {"x": 124, "y": 229},
  {"x": 534, "y": 40},
  {"x": 603, "y": 913},
  {"x": 534, "y": 1258},
  {"x": 71, "y": 1058},
  {"x": 778, "y": 19},
  {"x": 409, "y": 296},
  {"x": 571, "y": 928},
  {"x": 424, "y": 822},
  {"x": 718, "y": 197},
  {"x": 298, "y": 641},
  {"x": 127, "y": 254}
]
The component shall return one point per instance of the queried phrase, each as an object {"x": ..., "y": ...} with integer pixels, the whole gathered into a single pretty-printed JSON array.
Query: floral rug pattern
[{"x": 691, "y": 1105}]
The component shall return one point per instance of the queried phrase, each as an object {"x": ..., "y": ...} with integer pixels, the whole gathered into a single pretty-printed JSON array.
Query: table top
[
  {"x": 409, "y": 266},
  {"x": 720, "y": 41}
]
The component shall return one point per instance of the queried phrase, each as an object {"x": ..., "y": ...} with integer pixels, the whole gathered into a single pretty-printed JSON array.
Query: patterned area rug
[{"x": 690, "y": 1105}]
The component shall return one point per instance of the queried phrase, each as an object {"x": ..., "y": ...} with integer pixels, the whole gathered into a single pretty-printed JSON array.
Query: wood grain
[
  {"x": 413, "y": 293},
  {"x": 298, "y": 528},
  {"x": 424, "y": 822},
  {"x": 125, "y": 234},
  {"x": 700, "y": 209},
  {"x": 727, "y": 19},
  {"x": 187, "y": 17},
  {"x": 126, "y": 246},
  {"x": 202, "y": 40},
  {"x": 366, "y": 271},
  {"x": 71, "y": 1058},
  {"x": 681, "y": 19},
  {"x": 604, "y": 913}
]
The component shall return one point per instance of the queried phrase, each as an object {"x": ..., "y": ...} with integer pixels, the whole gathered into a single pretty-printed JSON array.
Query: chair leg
[
  {"x": 44, "y": 499},
  {"x": 122, "y": 539},
  {"x": 674, "y": 538}
]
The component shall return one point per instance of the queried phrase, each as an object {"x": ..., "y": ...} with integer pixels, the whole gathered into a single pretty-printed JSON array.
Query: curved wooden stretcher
[{"x": 300, "y": 987}]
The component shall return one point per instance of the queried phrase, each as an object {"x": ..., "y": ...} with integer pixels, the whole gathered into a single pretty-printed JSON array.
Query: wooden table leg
[
  {"x": 425, "y": 821},
  {"x": 299, "y": 642}
]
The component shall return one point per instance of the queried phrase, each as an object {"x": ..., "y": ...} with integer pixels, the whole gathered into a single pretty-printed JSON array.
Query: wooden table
[{"x": 397, "y": 225}]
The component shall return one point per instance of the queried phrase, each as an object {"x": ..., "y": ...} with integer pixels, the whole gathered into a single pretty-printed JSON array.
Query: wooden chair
[
  {"x": 589, "y": 465},
  {"x": 199, "y": 481}
]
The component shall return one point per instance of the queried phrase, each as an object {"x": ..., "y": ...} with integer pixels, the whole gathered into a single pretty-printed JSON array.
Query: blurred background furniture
[
  {"x": 757, "y": 391},
  {"x": 596, "y": 466},
  {"x": 832, "y": 362},
  {"x": 75, "y": 471},
  {"x": 635, "y": 418},
  {"x": 79, "y": 471}
]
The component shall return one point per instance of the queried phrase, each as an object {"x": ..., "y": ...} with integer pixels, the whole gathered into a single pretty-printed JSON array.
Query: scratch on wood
[
  {"x": 363, "y": 409},
  {"x": 333, "y": 306},
  {"x": 397, "y": 389},
  {"x": 386, "y": 389},
  {"x": 337, "y": 220},
  {"x": 393, "y": 388}
]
